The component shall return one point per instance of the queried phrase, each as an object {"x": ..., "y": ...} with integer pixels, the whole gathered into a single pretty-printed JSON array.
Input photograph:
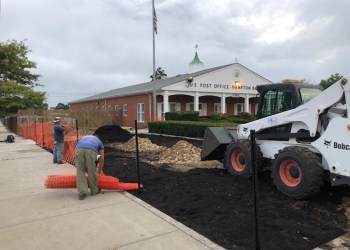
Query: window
[
  {"x": 308, "y": 93},
  {"x": 202, "y": 108},
  {"x": 268, "y": 103},
  {"x": 116, "y": 108},
  {"x": 275, "y": 102},
  {"x": 125, "y": 110},
  {"x": 162, "y": 109},
  {"x": 190, "y": 106},
  {"x": 109, "y": 108},
  {"x": 173, "y": 107},
  {"x": 217, "y": 107},
  {"x": 140, "y": 112},
  {"x": 239, "y": 108}
]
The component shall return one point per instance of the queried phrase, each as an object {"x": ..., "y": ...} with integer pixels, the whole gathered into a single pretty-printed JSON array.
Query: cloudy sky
[{"x": 84, "y": 47}]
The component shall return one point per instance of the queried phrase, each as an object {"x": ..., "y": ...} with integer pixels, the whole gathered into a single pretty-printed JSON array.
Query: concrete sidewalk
[{"x": 32, "y": 217}]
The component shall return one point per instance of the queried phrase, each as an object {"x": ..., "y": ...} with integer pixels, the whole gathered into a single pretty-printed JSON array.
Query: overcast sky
[{"x": 84, "y": 47}]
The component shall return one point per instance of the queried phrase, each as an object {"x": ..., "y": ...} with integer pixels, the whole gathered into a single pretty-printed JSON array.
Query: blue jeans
[{"x": 57, "y": 152}]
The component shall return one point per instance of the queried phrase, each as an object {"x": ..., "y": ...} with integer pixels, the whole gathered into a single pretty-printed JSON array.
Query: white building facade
[
  {"x": 233, "y": 82},
  {"x": 228, "y": 89}
]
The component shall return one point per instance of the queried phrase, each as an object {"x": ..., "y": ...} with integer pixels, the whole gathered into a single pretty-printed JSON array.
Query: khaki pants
[{"x": 85, "y": 162}]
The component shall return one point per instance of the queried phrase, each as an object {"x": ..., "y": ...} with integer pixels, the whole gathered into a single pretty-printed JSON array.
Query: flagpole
[{"x": 154, "y": 63}]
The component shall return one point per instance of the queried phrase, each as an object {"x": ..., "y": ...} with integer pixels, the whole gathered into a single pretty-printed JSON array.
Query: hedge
[
  {"x": 182, "y": 116},
  {"x": 185, "y": 128}
]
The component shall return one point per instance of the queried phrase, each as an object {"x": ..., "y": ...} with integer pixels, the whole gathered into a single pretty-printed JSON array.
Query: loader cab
[{"x": 280, "y": 97}]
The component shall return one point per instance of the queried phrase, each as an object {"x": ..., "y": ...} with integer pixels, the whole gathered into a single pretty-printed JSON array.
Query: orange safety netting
[
  {"x": 103, "y": 182},
  {"x": 42, "y": 134},
  {"x": 61, "y": 181}
]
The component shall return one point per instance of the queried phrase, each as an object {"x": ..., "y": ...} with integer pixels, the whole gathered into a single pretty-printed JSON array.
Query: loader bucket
[{"x": 215, "y": 142}]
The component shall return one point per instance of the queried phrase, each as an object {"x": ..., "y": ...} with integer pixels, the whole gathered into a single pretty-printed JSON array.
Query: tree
[
  {"x": 160, "y": 74},
  {"x": 62, "y": 106},
  {"x": 16, "y": 81},
  {"x": 330, "y": 81}
]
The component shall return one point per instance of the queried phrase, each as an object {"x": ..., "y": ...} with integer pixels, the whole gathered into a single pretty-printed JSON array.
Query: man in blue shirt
[
  {"x": 86, "y": 152},
  {"x": 58, "y": 137}
]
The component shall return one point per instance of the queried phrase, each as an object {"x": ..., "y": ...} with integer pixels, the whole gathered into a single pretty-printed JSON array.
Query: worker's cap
[{"x": 56, "y": 119}]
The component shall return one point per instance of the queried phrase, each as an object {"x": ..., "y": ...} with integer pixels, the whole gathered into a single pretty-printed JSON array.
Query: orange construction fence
[
  {"x": 103, "y": 182},
  {"x": 42, "y": 134}
]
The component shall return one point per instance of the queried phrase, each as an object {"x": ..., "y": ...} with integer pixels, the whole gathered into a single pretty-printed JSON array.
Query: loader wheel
[
  {"x": 238, "y": 158},
  {"x": 297, "y": 172}
]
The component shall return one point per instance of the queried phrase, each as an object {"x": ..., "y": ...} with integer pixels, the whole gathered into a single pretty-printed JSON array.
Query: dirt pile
[
  {"x": 181, "y": 153},
  {"x": 145, "y": 145},
  {"x": 345, "y": 206},
  {"x": 113, "y": 133}
]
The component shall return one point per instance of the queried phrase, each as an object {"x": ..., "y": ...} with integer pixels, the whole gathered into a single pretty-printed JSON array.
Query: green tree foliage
[
  {"x": 62, "y": 106},
  {"x": 330, "y": 81},
  {"x": 160, "y": 74},
  {"x": 16, "y": 81}
]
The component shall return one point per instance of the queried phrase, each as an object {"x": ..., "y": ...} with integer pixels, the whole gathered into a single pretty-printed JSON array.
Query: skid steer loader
[{"x": 302, "y": 137}]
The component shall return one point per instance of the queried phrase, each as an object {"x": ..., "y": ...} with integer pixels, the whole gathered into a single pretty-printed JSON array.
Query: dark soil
[
  {"x": 112, "y": 133},
  {"x": 220, "y": 206}
]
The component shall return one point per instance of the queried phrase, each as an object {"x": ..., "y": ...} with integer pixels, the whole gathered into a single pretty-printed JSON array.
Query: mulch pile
[
  {"x": 177, "y": 151},
  {"x": 144, "y": 145},
  {"x": 182, "y": 152},
  {"x": 113, "y": 133}
]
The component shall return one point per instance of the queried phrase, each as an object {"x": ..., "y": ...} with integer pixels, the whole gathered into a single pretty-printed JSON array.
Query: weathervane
[
  {"x": 236, "y": 60},
  {"x": 196, "y": 47}
]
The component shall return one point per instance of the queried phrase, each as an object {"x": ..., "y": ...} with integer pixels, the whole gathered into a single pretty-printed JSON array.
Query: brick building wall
[{"x": 128, "y": 118}]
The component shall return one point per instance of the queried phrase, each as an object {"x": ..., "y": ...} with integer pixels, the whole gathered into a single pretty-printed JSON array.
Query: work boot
[
  {"x": 98, "y": 192},
  {"x": 82, "y": 196}
]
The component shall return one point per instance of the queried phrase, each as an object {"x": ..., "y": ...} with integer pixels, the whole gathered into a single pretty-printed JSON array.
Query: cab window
[
  {"x": 276, "y": 101},
  {"x": 308, "y": 93}
]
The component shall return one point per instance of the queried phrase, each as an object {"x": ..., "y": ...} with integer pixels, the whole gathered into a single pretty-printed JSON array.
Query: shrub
[
  {"x": 245, "y": 115},
  {"x": 238, "y": 120},
  {"x": 217, "y": 116},
  {"x": 182, "y": 116},
  {"x": 184, "y": 128}
]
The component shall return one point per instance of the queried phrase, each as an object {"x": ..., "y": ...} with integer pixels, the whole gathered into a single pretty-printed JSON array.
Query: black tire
[
  {"x": 297, "y": 172},
  {"x": 238, "y": 158}
]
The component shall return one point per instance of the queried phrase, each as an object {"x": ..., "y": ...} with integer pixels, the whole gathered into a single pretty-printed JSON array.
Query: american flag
[{"x": 155, "y": 21}]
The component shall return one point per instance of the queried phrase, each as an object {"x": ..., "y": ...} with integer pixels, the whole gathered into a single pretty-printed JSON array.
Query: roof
[
  {"x": 148, "y": 87},
  {"x": 145, "y": 87},
  {"x": 196, "y": 59}
]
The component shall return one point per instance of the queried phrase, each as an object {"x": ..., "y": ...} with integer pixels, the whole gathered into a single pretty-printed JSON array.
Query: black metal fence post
[
  {"x": 137, "y": 157},
  {"x": 256, "y": 189}
]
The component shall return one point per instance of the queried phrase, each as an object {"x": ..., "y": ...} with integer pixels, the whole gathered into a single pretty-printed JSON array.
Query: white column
[
  {"x": 246, "y": 103},
  {"x": 196, "y": 101},
  {"x": 166, "y": 101},
  {"x": 223, "y": 103}
]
